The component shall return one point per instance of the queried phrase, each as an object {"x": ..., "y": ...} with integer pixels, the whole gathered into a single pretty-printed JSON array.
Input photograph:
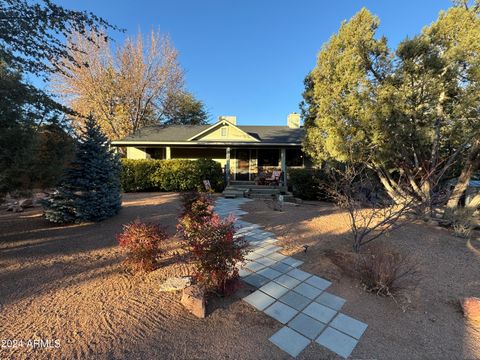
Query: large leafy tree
[
  {"x": 33, "y": 145},
  {"x": 409, "y": 114},
  {"x": 32, "y": 33},
  {"x": 125, "y": 89}
]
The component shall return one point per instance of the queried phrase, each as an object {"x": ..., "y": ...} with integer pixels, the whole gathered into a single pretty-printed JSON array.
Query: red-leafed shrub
[
  {"x": 215, "y": 253},
  {"x": 188, "y": 198},
  {"x": 142, "y": 244},
  {"x": 198, "y": 210},
  {"x": 210, "y": 241}
]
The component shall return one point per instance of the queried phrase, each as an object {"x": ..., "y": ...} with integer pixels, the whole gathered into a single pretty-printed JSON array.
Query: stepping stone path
[{"x": 293, "y": 297}]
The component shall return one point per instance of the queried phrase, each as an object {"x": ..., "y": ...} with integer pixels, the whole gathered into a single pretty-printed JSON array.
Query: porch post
[
  {"x": 168, "y": 153},
  {"x": 227, "y": 165},
  {"x": 283, "y": 162}
]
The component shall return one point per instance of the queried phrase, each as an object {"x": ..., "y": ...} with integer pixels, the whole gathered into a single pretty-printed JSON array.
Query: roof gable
[{"x": 223, "y": 131}]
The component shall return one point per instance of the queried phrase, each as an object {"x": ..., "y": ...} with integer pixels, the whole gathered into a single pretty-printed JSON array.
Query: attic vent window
[{"x": 224, "y": 131}]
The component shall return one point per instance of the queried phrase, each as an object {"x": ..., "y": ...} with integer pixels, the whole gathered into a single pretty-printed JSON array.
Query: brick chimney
[
  {"x": 230, "y": 119},
  {"x": 293, "y": 121}
]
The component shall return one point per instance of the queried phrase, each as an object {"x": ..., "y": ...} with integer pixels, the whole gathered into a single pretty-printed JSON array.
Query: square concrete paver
[
  {"x": 349, "y": 326},
  {"x": 279, "y": 266},
  {"x": 272, "y": 248},
  {"x": 259, "y": 300},
  {"x": 306, "y": 326},
  {"x": 255, "y": 280},
  {"x": 253, "y": 266},
  {"x": 290, "y": 341},
  {"x": 307, "y": 290},
  {"x": 299, "y": 274},
  {"x": 287, "y": 281},
  {"x": 292, "y": 262},
  {"x": 244, "y": 272},
  {"x": 318, "y": 282},
  {"x": 277, "y": 256},
  {"x": 248, "y": 238},
  {"x": 269, "y": 273},
  {"x": 281, "y": 312},
  {"x": 274, "y": 290},
  {"x": 253, "y": 255},
  {"x": 265, "y": 251},
  {"x": 337, "y": 342},
  {"x": 330, "y": 300},
  {"x": 319, "y": 312},
  {"x": 266, "y": 261},
  {"x": 295, "y": 300}
]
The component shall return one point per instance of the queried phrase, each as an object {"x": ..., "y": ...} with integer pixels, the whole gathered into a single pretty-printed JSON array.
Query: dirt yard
[
  {"x": 423, "y": 323},
  {"x": 66, "y": 283}
]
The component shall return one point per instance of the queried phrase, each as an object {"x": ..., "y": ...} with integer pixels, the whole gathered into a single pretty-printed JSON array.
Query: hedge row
[
  {"x": 308, "y": 184},
  {"x": 170, "y": 175}
]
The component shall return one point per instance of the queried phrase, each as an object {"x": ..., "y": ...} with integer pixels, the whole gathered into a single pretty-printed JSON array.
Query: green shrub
[
  {"x": 462, "y": 221},
  {"x": 170, "y": 175},
  {"x": 136, "y": 175},
  {"x": 307, "y": 183}
]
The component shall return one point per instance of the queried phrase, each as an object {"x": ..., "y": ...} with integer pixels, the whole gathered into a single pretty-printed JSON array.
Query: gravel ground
[{"x": 66, "y": 283}]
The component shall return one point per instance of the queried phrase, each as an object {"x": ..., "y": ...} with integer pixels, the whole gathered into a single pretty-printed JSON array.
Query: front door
[{"x": 243, "y": 165}]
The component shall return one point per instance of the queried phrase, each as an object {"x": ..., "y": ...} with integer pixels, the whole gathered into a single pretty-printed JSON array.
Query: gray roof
[{"x": 181, "y": 133}]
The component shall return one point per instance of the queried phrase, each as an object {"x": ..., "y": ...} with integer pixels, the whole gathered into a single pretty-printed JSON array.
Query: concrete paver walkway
[{"x": 295, "y": 298}]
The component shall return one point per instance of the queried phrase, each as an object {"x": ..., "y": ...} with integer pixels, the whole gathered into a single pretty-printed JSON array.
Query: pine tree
[{"x": 90, "y": 188}]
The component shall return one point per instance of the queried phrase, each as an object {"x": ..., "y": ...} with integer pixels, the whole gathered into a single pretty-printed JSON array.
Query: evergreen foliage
[
  {"x": 34, "y": 146},
  {"x": 410, "y": 112},
  {"x": 170, "y": 175},
  {"x": 90, "y": 188},
  {"x": 184, "y": 109}
]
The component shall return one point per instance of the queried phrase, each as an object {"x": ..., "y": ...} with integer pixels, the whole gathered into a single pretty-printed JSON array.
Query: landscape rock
[
  {"x": 193, "y": 299},
  {"x": 25, "y": 203},
  {"x": 16, "y": 209},
  {"x": 176, "y": 283},
  {"x": 471, "y": 310}
]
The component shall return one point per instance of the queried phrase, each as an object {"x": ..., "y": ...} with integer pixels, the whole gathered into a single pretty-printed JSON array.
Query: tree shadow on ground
[{"x": 37, "y": 257}]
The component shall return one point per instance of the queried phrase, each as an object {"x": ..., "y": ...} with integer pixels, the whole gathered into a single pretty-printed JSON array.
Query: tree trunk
[
  {"x": 391, "y": 187},
  {"x": 474, "y": 203},
  {"x": 471, "y": 165}
]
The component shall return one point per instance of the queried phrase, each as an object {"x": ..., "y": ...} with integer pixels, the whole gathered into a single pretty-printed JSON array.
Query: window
[
  {"x": 224, "y": 131},
  {"x": 156, "y": 153},
  {"x": 294, "y": 157},
  {"x": 268, "y": 157}
]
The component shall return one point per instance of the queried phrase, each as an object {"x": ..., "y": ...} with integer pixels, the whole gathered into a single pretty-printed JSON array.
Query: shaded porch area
[{"x": 252, "y": 165}]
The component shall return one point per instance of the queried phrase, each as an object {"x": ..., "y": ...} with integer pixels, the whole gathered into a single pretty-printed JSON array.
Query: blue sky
[{"x": 249, "y": 58}]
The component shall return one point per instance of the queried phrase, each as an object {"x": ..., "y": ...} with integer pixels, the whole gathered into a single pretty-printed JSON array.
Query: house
[{"x": 247, "y": 153}]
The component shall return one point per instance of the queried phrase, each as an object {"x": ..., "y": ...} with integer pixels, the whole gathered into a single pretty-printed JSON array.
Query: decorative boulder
[
  {"x": 25, "y": 203},
  {"x": 471, "y": 310},
  {"x": 15, "y": 208},
  {"x": 176, "y": 283},
  {"x": 193, "y": 299}
]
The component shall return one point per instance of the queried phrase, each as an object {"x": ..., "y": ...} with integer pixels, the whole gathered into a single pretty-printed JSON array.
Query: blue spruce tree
[{"x": 90, "y": 188}]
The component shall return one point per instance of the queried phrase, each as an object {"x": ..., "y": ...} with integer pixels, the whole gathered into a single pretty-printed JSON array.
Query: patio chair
[
  {"x": 274, "y": 179},
  {"x": 207, "y": 185}
]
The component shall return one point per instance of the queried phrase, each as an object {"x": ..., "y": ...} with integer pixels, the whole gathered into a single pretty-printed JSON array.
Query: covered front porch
[{"x": 249, "y": 164}]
